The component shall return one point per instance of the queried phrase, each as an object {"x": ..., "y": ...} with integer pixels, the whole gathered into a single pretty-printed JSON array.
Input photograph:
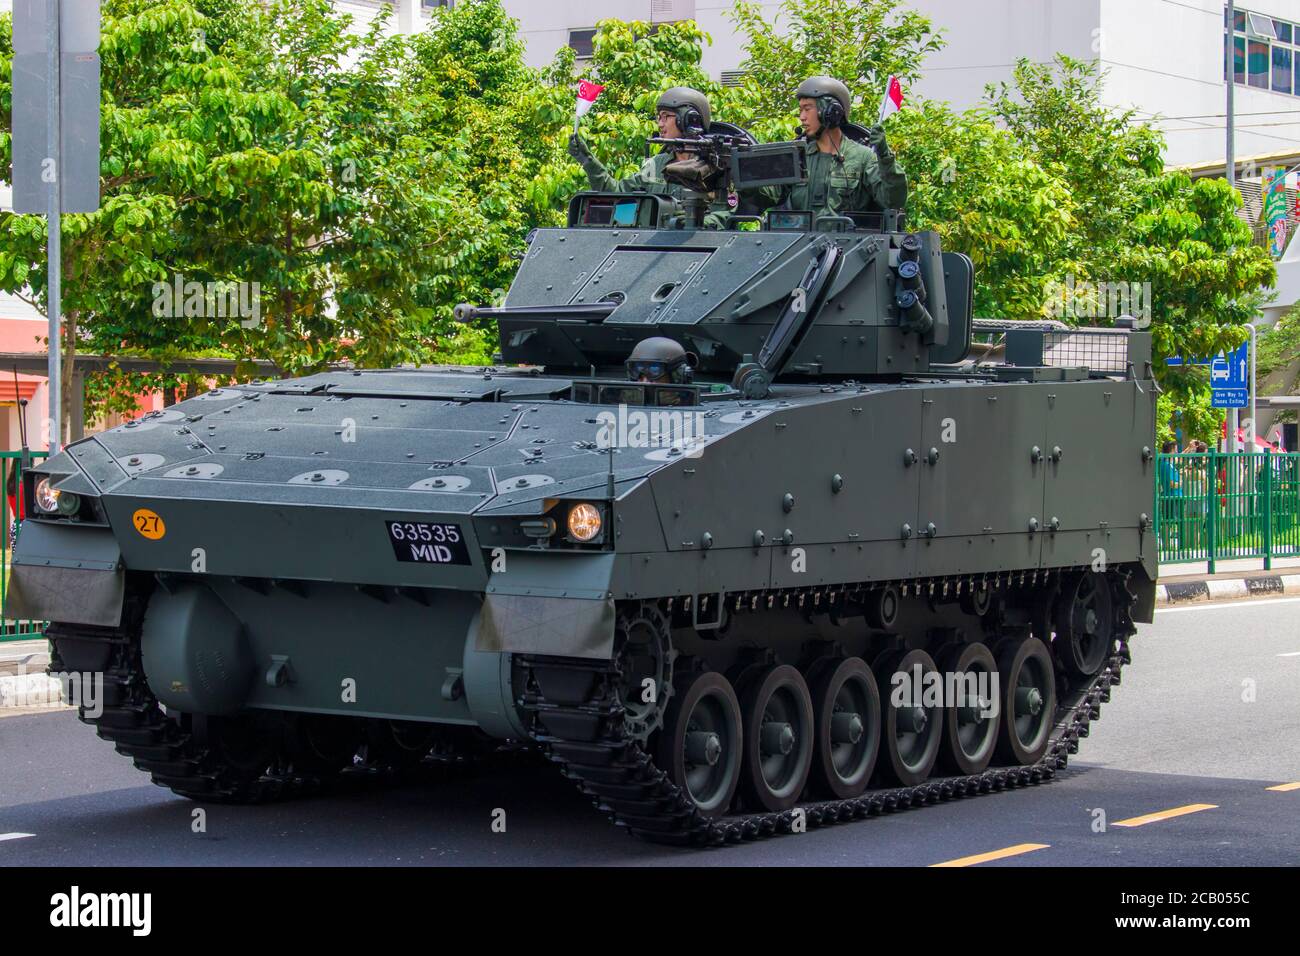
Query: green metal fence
[
  {"x": 11, "y": 505},
  {"x": 1212, "y": 506}
]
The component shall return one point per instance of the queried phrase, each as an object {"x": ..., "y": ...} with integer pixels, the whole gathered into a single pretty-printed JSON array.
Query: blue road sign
[
  {"x": 1229, "y": 398},
  {"x": 1230, "y": 378},
  {"x": 1239, "y": 366}
]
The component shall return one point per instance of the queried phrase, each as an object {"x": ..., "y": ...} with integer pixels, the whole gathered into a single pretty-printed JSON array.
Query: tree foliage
[
  {"x": 861, "y": 43},
  {"x": 368, "y": 183}
]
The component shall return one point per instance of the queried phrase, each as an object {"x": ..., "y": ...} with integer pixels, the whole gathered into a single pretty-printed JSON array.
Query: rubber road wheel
[
  {"x": 1028, "y": 702},
  {"x": 846, "y": 706},
  {"x": 970, "y": 722},
  {"x": 776, "y": 709},
  {"x": 911, "y": 732},
  {"x": 700, "y": 744}
]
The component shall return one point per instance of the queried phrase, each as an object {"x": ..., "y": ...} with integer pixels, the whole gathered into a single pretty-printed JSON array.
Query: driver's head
[{"x": 656, "y": 359}]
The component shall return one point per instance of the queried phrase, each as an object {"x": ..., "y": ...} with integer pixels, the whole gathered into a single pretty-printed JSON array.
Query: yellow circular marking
[{"x": 149, "y": 524}]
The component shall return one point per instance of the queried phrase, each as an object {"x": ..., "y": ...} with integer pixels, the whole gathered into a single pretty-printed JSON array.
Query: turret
[{"x": 793, "y": 299}]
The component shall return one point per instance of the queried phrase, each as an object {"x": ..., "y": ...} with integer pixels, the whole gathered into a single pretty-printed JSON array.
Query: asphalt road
[{"x": 1208, "y": 716}]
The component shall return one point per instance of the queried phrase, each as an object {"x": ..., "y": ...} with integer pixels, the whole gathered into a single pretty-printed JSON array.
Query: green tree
[
  {"x": 1185, "y": 405},
  {"x": 369, "y": 183},
  {"x": 971, "y": 182},
  {"x": 862, "y": 42},
  {"x": 635, "y": 62},
  {"x": 1134, "y": 222},
  {"x": 262, "y": 143}
]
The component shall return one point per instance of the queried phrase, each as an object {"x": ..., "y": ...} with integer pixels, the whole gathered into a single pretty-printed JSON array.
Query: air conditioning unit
[{"x": 667, "y": 11}]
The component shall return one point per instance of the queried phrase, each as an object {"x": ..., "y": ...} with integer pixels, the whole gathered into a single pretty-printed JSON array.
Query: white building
[
  {"x": 409, "y": 16},
  {"x": 1164, "y": 58}
]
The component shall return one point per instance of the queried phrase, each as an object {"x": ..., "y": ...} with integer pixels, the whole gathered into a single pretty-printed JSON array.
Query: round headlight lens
[
  {"x": 584, "y": 522},
  {"x": 69, "y": 504},
  {"x": 47, "y": 499}
]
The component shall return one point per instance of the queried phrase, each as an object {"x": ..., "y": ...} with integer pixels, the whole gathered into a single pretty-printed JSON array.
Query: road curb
[
  {"x": 30, "y": 690},
  {"x": 1227, "y": 589}
]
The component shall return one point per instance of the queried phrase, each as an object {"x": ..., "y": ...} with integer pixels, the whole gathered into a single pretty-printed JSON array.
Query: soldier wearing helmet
[
  {"x": 681, "y": 113},
  {"x": 658, "y": 359},
  {"x": 843, "y": 175}
]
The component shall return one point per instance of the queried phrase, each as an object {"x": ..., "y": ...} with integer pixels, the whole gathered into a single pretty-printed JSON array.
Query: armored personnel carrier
[{"x": 825, "y": 567}]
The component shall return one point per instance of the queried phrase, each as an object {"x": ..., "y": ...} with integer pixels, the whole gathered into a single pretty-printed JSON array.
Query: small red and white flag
[
  {"x": 893, "y": 101},
  {"x": 587, "y": 93}
]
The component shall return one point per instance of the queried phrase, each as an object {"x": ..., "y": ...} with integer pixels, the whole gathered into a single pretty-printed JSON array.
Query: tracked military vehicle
[{"x": 730, "y": 603}]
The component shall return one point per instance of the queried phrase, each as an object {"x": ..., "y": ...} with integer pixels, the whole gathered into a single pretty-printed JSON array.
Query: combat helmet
[
  {"x": 657, "y": 359},
  {"x": 690, "y": 106},
  {"x": 829, "y": 93}
]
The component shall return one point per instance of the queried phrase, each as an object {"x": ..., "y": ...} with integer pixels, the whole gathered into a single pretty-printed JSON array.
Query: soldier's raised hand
[
  {"x": 578, "y": 149},
  {"x": 876, "y": 140}
]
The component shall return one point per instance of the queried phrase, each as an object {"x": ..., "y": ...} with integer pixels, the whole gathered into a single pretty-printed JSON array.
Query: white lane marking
[
  {"x": 1290, "y": 654},
  {"x": 15, "y": 836},
  {"x": 1214, "y": 607}
]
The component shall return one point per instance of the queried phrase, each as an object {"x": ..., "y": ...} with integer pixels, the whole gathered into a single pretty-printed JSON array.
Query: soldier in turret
[
  {"x": 843, "y": 175},
  {"x": 681, "y": 113}
]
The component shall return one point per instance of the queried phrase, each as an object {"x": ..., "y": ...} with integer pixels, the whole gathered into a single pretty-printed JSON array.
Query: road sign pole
[
  {"x": 1230, "y": 166},
  {"x": 54, "y": 244},
  {"x": 1254, "y": 425}
]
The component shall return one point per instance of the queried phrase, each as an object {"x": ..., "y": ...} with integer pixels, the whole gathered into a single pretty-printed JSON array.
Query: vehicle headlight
[
  {"x": 47, "y": 498},
  {"x": 584, "y": 522},
  {"x": 69, "y": 504}
]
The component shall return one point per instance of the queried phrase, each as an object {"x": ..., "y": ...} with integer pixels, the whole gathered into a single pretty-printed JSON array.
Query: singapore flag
[
  {"x": 893, "y": 101},
  {"x": 587, "y": 93}
]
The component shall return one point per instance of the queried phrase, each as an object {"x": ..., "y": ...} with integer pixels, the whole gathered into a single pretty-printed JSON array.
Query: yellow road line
[
  {"x": 1002, "y": 854},
  {"x": 1165, "y": 815},
  {"x": 1284, "y": 787}
]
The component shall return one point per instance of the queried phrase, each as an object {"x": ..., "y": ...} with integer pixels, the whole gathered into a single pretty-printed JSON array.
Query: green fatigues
[
  {"x": 858, "y": 184},
  {"x": 650, "y": 179}
]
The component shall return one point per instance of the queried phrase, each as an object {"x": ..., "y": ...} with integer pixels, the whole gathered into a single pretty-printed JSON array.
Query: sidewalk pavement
[{"x": 1181, "y": 583}]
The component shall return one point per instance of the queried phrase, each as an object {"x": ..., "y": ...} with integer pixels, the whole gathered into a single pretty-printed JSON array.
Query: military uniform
[
  {"x": 650, "y": 179},
  {"x": 853, "y": 181}
]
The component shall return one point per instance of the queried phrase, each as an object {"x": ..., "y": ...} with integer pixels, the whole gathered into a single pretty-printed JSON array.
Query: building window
[
  {"x": 1281, "y": 70},
  {"x": 1265, "y": 52},
  {"x": 1257, "y": 63},
  {"x": 580, "y": 40}
]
